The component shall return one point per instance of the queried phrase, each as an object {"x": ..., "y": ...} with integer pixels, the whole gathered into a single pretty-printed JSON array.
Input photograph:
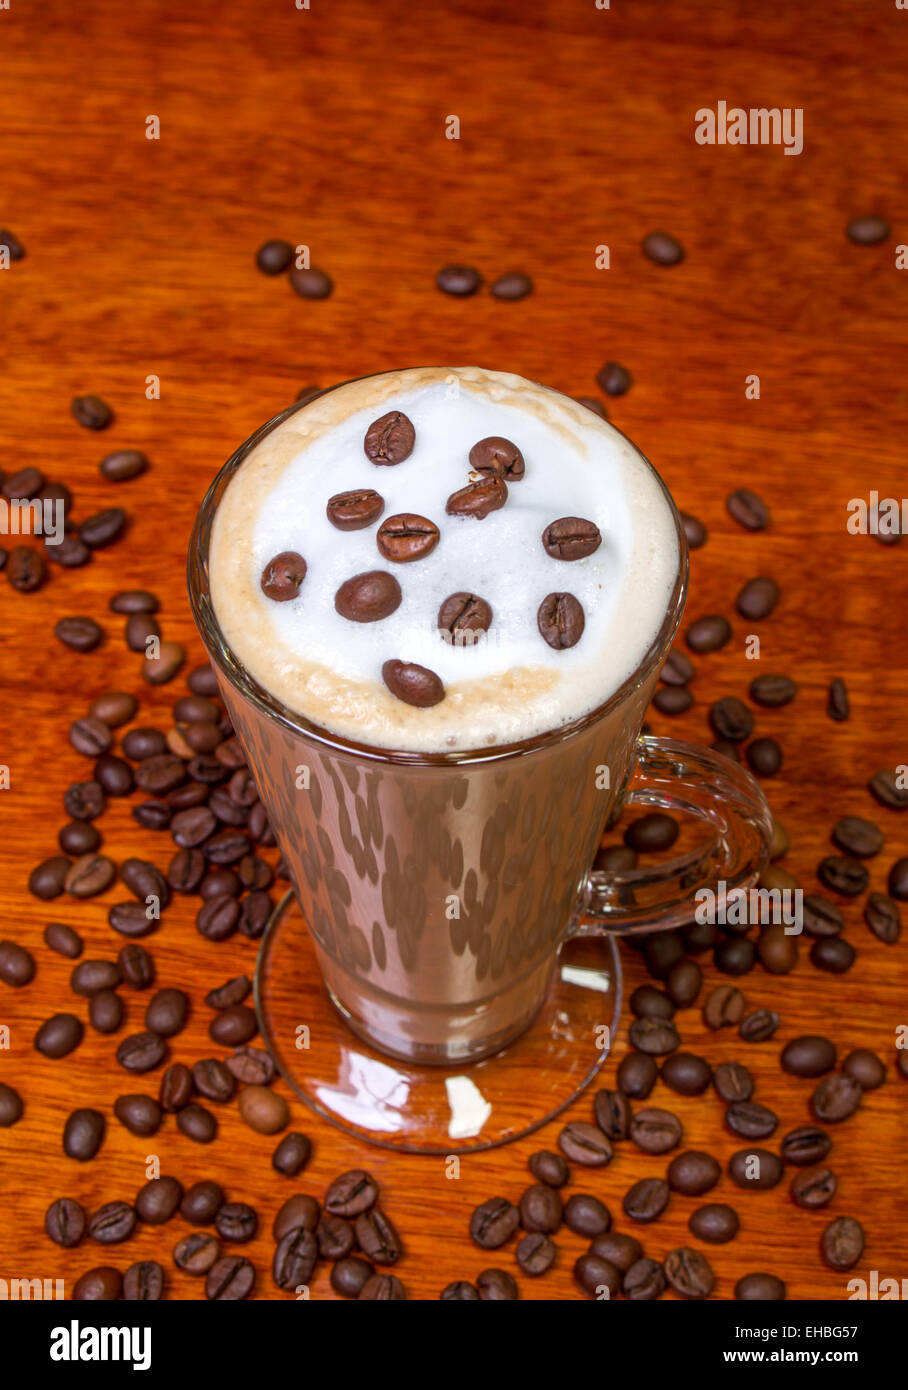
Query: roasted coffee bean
[
  {"x": 597, "y": 1276},
  {"x": 540, "y": 1209},
  {"x": 145, "y": 880},
  {"x": 213, "y": 1079},
  {"x": 233, "y": 992},
  {"x": 535, "y": 1254},
  {"x": 140, "y": 744},
  {"x": 291, "y": 1155},
  {"x": 103, "y": 528},
  {"x": 90, "y": 736},
  {"x": 866, "y": 1067},
  {"x": 724, "y": 1007},
  {"x": 842, "y": 1243},
  {"x": 497, "y": 456},
  {"x": 227, "y": 847},
  {"x": 64, "y": 1222},
  {"x": 693, "y": 1172},
  {"x": 46, "y": 880},
  {"x": 123, "y": 465},
  {"x": 254, "y": 873},
  {"x": 496, "y": 1285},
  {"x": 91, "y": 412},
  {"x": 612, "y": 1113},
  {"x": 378, "y": 1239},
  {"x": 63, "y": 939},
  {"x": 131, "y": 919},
  {"x": 202, "y": 1202},
  {"x": 836, "y": 1098},
  {"x": 764, "y": 757},
  {"x": 813, "y": 1187},
  {"x": 887, "y": 789},
  {"x": 646, "y": 1200},
  {"x": 649, "y": 1002},
  {"x": 234, "y": 1025},
  {"x": 12, "y": 244},
  {"x": 687, "y": 1074},
  {"x": 78, "y": 837},
  {"x": 105, "y": 1011},
  {"x": 867, "y": 231},
  {"x": 274, "y": 257},
  {"x": 512, "y": 286},
  {"x": 755, "y": 1168},
  {"x": 662, "y": 951},
  {"x": 694, "y": 531},
  {"x": 236, "y": 1222},
  {"x": 311, "y": 283},
  {"x": 134, "y": 601},
  {"x": 549, "y": 1167},
  {"x": 255, "y": 913},
  {"x": 883, "y": 917},
  {"x": 141, "y": 1052},
  {"x": 22, "y": 485},
  {"x": 143, "y": 1282},
  {"x": 114, "y": 708},
  {"x": 837, "y": 703},
  {"x": 186, "y": 870},
  {"x": 197, "y": 1123},
  {"x": 758, "y": 1026},
  {"x": 158, "y": 1200},
  {"x": 856, "y": 836},
  {"x": 492, "y": 1223},
  {"x": 230, "y": 1279},
  {"x": 349, "y": 1276},
  {"x": 656, "y": 1037},
  {"x": 114, "y": 775},
  {"x": 757, "y": 599},
  {"x": 478, "y": 499},
  {"x": 677, "y": 668},
  {"x": 461, "y": 615},
  {"x": 136, "y": 966},
  {"x": 166, "y": 1012},
  {"x": 263, "y": 1110},
  {"x": 809, "y": 1055},
  {"x": 637, "y": 1075},
  {"x": 160, "y": 773},
  {"x": 673, "y": 699},
  {"x": 413, "y": 684},
  {"x": 655, "y": 1131},
  {"x": 334, "y": 1236},
  {"x": 585, "y": 1144},
  {"x": 898, "y": 880},
  {"x": 369, "y": 597},
  {"x": 354, "y": 1192},
  {"x": 283, "y": 575},
  {"x": 152, "y": 815},
  {"x": 715, "y": 1223},
  {"x": 140, "y": 1114},
  {"x": 138, "y": 629},
  {"x": 834, "y": 954},
  {"x": 387, "y": 1288},
  {"x": 773, "y": 691},
  {"x": 219, "y": 917},
  {"x": 644, "y": 1280},
  {"x": 571, "y": 538},
  {"x": 160, "y": 669},
  {"x": 749, "y": 1120},
  {"x": 805, "y": 1145},
  {"x": 252, "y": 1066},
  {"x": 620, "y": 1250},
  {"x": 683, "y": 983},
  {"x": 102, "y": 1284},
  {"x": 389, "y": 439},
  {"x": 458, "y": 280},
  {"x": 820, "y": 917},
  {"x": 196, "y": 1254},
  {"x": 59, "y": 1035},
  {"x": 26, "y": 569},
  {"x": 843, "y": 876},
  {"x": 733, "y": 1081},
  {"x": 662, "y": 249},
  {"x": 11, "y": 1108},
  {"x": 615, "y": 859},
  {"x": 585, "y": 1215},
  {"x": 193, "y": 827},
  {"x": 614, "y": 379},
  {"x": 778, "y": 952},
  {"x": 354, "y": 510},
  {"x": 17, "y": 965},
  {"x": 689, "y": 1273},
  {"x": 83, "y": 1134},
  {"x": 709, "y": 633},
  {"x": 760, "y": 1287},
  {"x": 731, "y": 719},
  {"x": 749, "y": 510},
  {"x": 84, "y": 801},
  {"x": 407, "y": 537},
  {"x": 560, "y": 620}
]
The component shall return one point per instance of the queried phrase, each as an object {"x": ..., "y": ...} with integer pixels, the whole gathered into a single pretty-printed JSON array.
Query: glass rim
[{"x": 221, "y": 653}]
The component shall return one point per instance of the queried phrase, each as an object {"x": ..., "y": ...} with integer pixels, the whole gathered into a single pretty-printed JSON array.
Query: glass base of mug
[{"x": 399, "y": 1103}]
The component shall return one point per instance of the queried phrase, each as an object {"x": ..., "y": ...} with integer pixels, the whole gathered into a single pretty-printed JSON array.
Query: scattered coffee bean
[
  {"x": 458, "y": 280},
  {"x": 230, "y": 1279},
  {"x": 758, "y": 599},
  {"x": 369, "y": 597},
  {"x": 413, "y": 684},
  {"x": 540, "y": 1209},
  {"x": 637, "y": 1075},
  {"x": 764, "y": 1288},
  {"x": 693, "y": 1172},
  {"x": 613, "y": 379},
  {"x": 888, "y": 790},
  {"x": 585, "y": 1215},
  {"x": 724, "y": 1007},
  {"x": 274, "y": 257},
  {"x": 813, "y": 1187},
  {"x": 647, "y": 1199},
  {"x": 749, "y": 510},
  {"x": 11, "y": 1107},
  {"x": 715, "y": 1223},
  {"x": 687, "y": 1074},
  {"x": 312, "y": 283},
  {"x": 755, "y": 1168},
  {"x": 764, "y": 757},
  {"x": 141, "y": 1052},
  {"x": 750, "y": 1120},
  {"x": 140, "y": 1114},
  {"x": 842, "y": 1243},
  {"x": 59, "y": 1035},
  {"x": 202, "y": 1202},
  {"x": 843, "y": 876},
  {"x": 83, "y": 1134},
  {"x": 836, "y": 1098},
  {"x": 805, "y": 1145},
  {"x": 350, "y": 1275},
  {"x": 709, "y": 633},
  {"x": 809, "y": 1055},
  {"x": 898, "y": 880},
  {"x": 65, "y": 1222},
  {"x": 773, "y": 691},
  {"x": 883, "y": 917},
  {"x": 102, "y": 1284},
  {"x": 733, "y": 1081},
  {"x": 17, "y": 965}
]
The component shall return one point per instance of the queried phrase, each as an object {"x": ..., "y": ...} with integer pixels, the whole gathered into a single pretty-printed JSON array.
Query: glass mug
[{"x": 440, "y": 888}]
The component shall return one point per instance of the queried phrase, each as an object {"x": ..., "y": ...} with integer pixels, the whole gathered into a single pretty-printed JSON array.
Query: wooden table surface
[{"x": 327, "y": 127}]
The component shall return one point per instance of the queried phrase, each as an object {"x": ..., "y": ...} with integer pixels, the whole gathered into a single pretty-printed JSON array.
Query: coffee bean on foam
[{"x": 478, "y": 435}]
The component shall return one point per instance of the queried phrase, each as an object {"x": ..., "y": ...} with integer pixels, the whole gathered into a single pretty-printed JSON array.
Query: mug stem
[{"x": 693, "y": 781}]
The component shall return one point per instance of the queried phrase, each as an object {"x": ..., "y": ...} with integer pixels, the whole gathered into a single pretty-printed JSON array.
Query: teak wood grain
[{"x": 327, "y": 126}]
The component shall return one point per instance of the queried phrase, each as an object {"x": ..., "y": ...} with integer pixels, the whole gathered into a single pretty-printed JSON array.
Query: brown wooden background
[{"x": 327, "y": 127}]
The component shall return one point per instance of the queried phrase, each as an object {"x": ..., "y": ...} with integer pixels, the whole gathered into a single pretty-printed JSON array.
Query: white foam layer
[{"x": 509, "y": 686}]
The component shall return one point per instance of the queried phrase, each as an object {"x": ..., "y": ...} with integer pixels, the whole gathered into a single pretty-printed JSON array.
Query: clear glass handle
[{"x": 689, "y": 780}]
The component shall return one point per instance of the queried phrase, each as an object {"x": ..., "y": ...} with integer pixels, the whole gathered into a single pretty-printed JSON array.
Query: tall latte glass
[{"x": 437, "y": 602}]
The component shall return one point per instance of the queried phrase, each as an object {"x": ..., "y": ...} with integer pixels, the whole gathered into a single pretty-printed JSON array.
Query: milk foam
[{"x": 508, "y": 686}]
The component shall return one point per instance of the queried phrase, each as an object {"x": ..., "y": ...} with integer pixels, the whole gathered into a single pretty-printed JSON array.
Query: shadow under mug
[{"x": 439, "y": 889}]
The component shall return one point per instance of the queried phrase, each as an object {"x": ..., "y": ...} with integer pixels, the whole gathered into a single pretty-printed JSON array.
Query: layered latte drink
[
  {"x": 442, "y": 559},
  {"x": 438, "y": 600}
]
